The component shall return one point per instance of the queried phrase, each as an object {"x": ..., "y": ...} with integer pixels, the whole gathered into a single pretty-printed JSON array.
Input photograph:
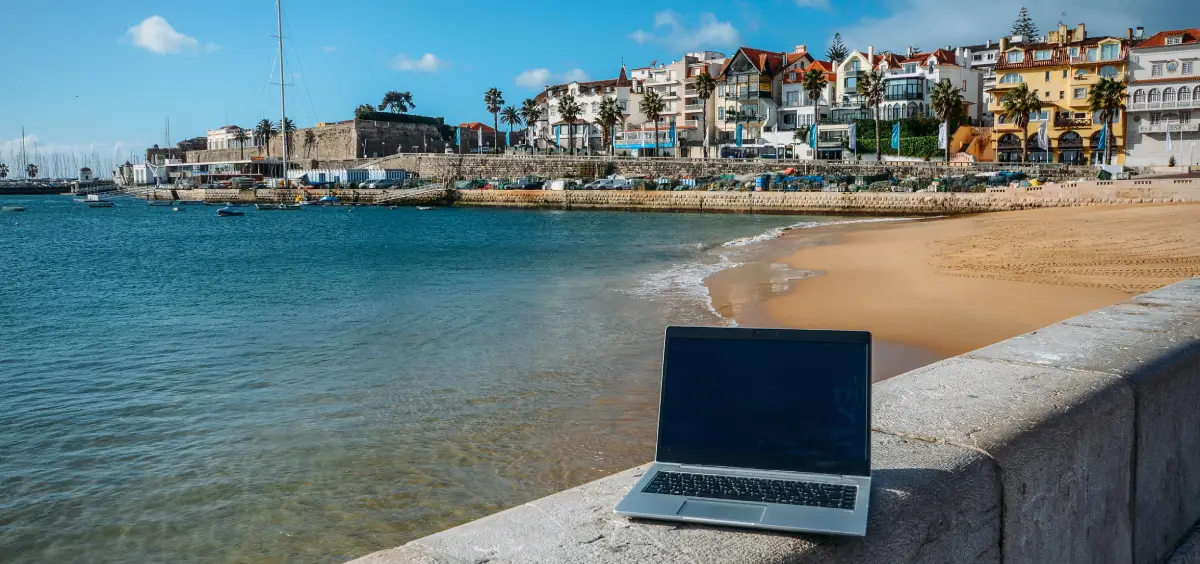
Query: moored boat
[
  {"x": 230, "y": 212},
  {"x": 12, "y": 209},
  {"x": 277, "y": 207}
]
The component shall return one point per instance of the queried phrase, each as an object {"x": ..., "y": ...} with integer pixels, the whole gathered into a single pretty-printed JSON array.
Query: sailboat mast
[{"x": 282, "y": 97}]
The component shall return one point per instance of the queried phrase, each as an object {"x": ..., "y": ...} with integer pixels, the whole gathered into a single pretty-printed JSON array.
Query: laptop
[{"x": 762, "y": 428}]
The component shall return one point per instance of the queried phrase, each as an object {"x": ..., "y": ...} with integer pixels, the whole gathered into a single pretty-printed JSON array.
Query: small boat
[
  {"x": 160, "y": 203},
  {"x": 191, "y": 202},
  {"x": 277, "y": 207},
  {"x": 230, "y": 212},
  {"x": 176, "y": 208},
  {"x": 12, "y": 209},
  {"x": 101, "y": 204},
  {"x": 424, "y": 208}
]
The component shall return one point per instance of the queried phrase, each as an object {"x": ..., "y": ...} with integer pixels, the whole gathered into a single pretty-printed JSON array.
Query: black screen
[{"x": 767, "y": 404}]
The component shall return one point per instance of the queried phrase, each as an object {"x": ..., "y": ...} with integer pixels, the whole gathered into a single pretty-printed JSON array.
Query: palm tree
[
  {"x": 512, "y": 116},
  {"x": 531, "y": 113},
  {"x": 494, "y": 100},
  {"x": 310, "y": 141},
  {"x": 813, "y": 82},
  {"x": 652, "y": 107},
  {"x": 946, "y": 102},
  {"x": 570, "y": 110},
  {"x": 3, "y": 170},
  {"x": 871, "y": 88},
  {"x": 363, "y": 111},
  {"x": 288, "y": 127},
  {"x": 241, "y": 137},
  {"x": 705, "y": 85},
  {"x": 31, "y": 170},
  {"x": 607, "y": 118},
  {"x": 397, "y": 102},
  {"x": 1108, "y": 98},
  {"x": 265, "y": 130},
  {"x": 1017, "y": 104}
]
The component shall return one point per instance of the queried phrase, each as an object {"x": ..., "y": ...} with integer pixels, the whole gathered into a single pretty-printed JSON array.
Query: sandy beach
[{"x": 939, "y": 288}]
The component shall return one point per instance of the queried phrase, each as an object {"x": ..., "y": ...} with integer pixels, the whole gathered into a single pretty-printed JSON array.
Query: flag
[
  {"x": 896, "y": 137},
  {"x": 1167, "y": 126},
  {"x": 853, "y": 136},
  {"x": 1103, "y": 139},
  {"x": 671, "y": 134},
  {"x": 812, "y": 136},
  {"x": 458, "y": 137},
  {"x": 1043, "y": 140},
  {"x": 942, "y": 136},
  {"x": 507, "y": 138},
  {"x": 738, "y": 135},
  {"x": 557, "y": 132},
  {"x": 480, "y": 131}
]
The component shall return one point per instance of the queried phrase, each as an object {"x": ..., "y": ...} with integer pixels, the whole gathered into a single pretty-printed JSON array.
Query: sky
[{"x": 87, "y": 75}]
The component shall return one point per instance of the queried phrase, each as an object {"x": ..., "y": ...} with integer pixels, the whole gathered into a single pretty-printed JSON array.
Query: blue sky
[{"x": 111, "y": 73}]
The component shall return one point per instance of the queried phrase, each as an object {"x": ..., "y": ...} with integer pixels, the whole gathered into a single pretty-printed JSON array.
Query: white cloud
[
  {"x": 670, "y": 30},
  {"x": 211, "y": 47},
  {"x": 538, "y": 78},
  {"x": 954, "y": 22},
  {"x": 816, "y": 4},
  {"x": 427, "y": 63},
  {"x": 331, "y": 49},
  {"x": 156, "y": 35}
]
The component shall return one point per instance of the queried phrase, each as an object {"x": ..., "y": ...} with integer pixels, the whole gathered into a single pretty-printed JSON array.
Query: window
[
  {"x": 1139, "y": 96},
  {"x": 1047, "y": 76},
  {"x": 791, "y": 77},
  {"x": 1155, "y": 96},
  {"x": 720, "y": 113},
  {"x": 991, "y": 56},
  {"x": 910, "y": 67},
  {"x": 1168, "y": 94},
  {"x": 1080, "y": 74},
  {"x": 977, "y": 58},
  {"x": 1064, "y": 73},
  {"x": 1196, "y": 93},
  {"x": 1175, "y": 40},
  {"x": 1187, "y": 67},
  {"x": 1061, "y": 94},
  {"x": 855, "y": 66},
  {"x": 1156, "y": 69},
  {"x": 1185, "y": 95},
  {"x": 1093, "y": 54},
  {"x": 721, "y": 90},
  {"x": 1080, "y": 93},
  {"x": 1108, "y": 71},
  {"x": 1185, "y": 117},
  {"x": 1155, "y": 117},
  {"x": 1047, "y": 94},
  {"x": 1041, "y": 55},
  {"x": 1074, "y": 51},
  {"x": 1016, "y": 56},
  {"x": 1011, "y": 78},
  {"x": 1080, "y": 115},
  {"x": 1110, "y": 51}
]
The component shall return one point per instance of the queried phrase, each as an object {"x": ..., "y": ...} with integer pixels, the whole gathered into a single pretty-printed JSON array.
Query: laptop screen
[{"x": 766, "y": 399}]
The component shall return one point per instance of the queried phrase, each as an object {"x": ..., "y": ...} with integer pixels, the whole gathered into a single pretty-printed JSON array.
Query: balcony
[
  {"x": 1185, "y": 104},
  {"x": 694, "y": 107},
  {"x": 1161, "y": 127},
  {"x": 891, "y": 97},
  {"x": 1072, "y": 122}
]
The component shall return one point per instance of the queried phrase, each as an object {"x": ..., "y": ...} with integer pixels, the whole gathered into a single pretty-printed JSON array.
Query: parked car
[
  {"x": 527, "y": 184},
  {"x": 600, "y": 184},
  {"x": 383, "y": 184},
  {"x": 562, "y": 184}
]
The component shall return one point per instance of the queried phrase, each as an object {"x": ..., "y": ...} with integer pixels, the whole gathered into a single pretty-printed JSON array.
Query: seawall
[{"x": 1079, "y": 442}]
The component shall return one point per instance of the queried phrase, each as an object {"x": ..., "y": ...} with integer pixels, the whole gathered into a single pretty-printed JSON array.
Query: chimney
[
  {"x": 989, "y": 44},
  {"x": 1063, "y": 36},
  {"x": 1003, "y": 43},
  {"x": 1139, "y": 32},
  {"x": 803, "y": 48},
  {"x": 1080, "y": 32},
  {"x": 911, "y": 51},
  {"x": 1129, "y": 33},
  {"x": 871, "y": 56}
]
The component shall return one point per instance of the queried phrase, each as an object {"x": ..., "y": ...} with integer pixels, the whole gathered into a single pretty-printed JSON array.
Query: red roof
[
  {"x": 823, "y": 66},
  {"x": 893, "y": 61},
  {"x": 944, "y": 57},
  {"x": 1159, "y": 39},
  {"x": 476, "y": 126}
]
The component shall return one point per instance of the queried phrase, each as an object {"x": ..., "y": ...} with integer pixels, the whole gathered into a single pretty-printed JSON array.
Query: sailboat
[{"x": 280, "y": 206}]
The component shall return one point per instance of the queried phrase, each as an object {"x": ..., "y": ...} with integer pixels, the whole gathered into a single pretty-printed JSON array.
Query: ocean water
[{"x": 312, "y": 386}]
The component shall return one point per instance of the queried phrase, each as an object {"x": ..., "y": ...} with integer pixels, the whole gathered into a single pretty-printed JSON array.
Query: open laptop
[{"x": 762, "y": 428}]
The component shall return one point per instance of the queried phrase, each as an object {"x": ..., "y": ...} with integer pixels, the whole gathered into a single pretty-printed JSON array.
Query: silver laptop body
[{"x": 762, "y": 428}]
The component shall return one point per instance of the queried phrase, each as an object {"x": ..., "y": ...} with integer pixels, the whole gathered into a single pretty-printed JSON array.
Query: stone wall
[
  {"x": 509, "y": 166},
  {"x": 338, "y": 142},
  {"x": 871, "y": 203},
  {"x": 1076, "y": 443}
]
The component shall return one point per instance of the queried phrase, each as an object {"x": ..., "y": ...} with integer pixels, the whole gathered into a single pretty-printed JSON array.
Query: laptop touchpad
[{"x": 722, "y": 511}]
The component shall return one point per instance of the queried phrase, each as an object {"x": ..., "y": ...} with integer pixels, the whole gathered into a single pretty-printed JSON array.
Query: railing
[
  {"x": 1073, "y": 122},
  {"x": 1161, "y": 127},
  {"x": 694, "y": 107},
  {"x": 904, "y": 96}
]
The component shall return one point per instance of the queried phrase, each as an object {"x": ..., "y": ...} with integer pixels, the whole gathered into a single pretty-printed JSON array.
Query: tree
[
  {"x": 531, "y": 112},
  {"x": 512, "y": 116},
  {"x": 871, "y": 87},
  {"x": 1107, "y": 97},
  {"x": 1016, "y": 105},
  {"x": 397, "y": 102},
  {"x": 570, "y": 110},
  {"x": 363, "y": 111},
  {"x": 264, "y": 131},
  {"x": 31, "y": 170},
  {"x": 652, "y": 107},
  {"x": 705, "y": 85},
  {"x": 837, "y": 50},
  {"x": 494, "y": 100},
  {"x": 241, "y": 137},
  {"x": 310, "y": 141},
  {"x": 946, "y": 102},
  {"x": 1024, "y": 25},
  {"x": 3, "y": 170},
  {"x": 610, "y": 113},
  {"x": 288, "y": 127},
  {"x": 813, "y": 82}
]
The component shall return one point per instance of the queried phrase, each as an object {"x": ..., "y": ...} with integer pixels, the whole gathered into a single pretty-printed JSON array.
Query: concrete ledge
[{"x": 1079, "y": 442}]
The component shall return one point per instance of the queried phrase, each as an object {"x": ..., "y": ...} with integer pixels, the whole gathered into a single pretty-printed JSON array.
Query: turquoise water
[{"x": 312, "y": 386}]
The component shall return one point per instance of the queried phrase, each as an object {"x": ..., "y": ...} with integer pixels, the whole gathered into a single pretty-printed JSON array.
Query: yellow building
[{"x": 1061, "y": 70}]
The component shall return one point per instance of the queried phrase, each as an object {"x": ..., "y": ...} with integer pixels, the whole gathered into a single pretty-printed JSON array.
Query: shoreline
[{"x": 932, "y": 289}]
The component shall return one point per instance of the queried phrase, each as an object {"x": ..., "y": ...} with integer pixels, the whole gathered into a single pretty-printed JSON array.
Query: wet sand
[{"x": 933, "y": 289}]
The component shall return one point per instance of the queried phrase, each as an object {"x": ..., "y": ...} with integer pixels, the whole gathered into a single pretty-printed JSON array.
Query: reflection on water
[{"x": 311, "y": 387}]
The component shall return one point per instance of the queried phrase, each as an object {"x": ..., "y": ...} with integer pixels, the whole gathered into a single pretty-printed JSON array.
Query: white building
[
  {"x": 553, "y": 131},
  {"x": 224, "y": 138},
  {"x": 685, "y": 112},
  {"x": 909, "y": 82},
  {"x": 749, "y": 99},
  {"x": 1164, "y": 95},
  {"x": 983, "y": 57}
]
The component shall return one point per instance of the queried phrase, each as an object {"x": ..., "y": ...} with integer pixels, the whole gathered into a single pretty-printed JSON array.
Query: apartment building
[
  {"x": 584, "y": 135},
  {"x": 909, "y": 81},
  {"x": 1164, "y": 99},
  {"x": 682, "y": 127}
]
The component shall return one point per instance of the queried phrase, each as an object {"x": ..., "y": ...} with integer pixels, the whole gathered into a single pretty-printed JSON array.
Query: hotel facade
[{"x": 1163, "y": 98}]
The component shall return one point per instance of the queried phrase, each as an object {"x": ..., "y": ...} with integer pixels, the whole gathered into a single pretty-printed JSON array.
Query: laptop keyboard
[{"x": 812, "y": 494}]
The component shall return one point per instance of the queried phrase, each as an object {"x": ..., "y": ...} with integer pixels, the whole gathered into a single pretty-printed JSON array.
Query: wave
[
  {"x": 684, "y": 282},
  {"x": 779, "y": 231}
]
